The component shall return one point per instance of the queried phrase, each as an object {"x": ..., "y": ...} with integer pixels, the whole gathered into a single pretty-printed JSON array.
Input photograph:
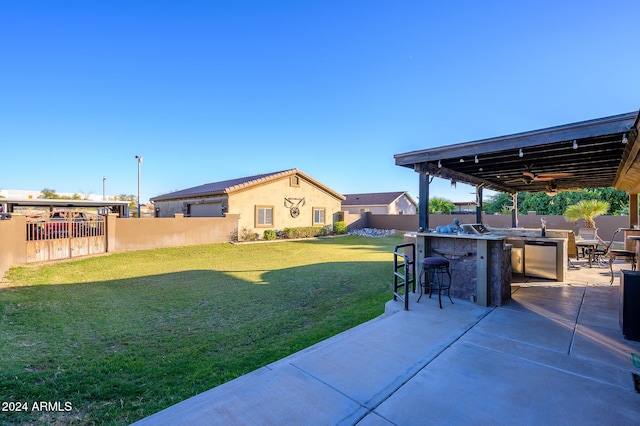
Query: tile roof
[
  {"x": 373, "y": 199},
  {"x": 227, "y": 186}
]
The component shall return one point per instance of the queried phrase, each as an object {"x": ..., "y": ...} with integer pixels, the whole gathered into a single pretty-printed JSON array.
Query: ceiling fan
[
  {"x": 529, "y": 177},
  {"x": 551, "y": 189}
]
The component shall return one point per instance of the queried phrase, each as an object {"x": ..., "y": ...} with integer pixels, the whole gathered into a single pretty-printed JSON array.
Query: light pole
[
  {"x": 104, "y": 180},
  {"x": 139, "y": 162}
]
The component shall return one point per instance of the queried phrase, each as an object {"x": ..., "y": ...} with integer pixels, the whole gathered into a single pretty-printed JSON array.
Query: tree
[
  {"x": 502, "y": 203},
  {"x": 544, "y": 204},
  {"x": 587, "y": 209},
  {"x": 618, "y": 200},
  {"x": 49, "y": 194},
  {"x": 133, "y": 202},
  {"x": 437, "y": 204}
]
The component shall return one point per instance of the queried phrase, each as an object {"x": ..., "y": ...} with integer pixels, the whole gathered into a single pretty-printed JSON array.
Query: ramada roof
[
  {"x": 374, "y": 199},
  {"x": 226, "y": 187}
]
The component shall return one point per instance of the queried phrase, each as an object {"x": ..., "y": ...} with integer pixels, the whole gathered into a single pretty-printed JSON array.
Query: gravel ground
[{"x": 372, "y": 232}]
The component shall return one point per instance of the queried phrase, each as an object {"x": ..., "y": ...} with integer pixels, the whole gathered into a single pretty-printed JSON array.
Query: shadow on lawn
[{"x": 113, "y": 348}]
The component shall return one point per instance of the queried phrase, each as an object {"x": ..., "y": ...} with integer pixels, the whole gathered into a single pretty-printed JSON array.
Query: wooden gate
[{"x": 64, "y": 235}]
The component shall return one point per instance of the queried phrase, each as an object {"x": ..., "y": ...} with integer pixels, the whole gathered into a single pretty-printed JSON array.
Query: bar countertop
[{"x": 489, "y": 237}]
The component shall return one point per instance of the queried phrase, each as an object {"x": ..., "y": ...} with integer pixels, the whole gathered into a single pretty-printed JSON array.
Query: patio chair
[
  {"x": 588, "y": 233},
  {"x": 612, "y": 254},
  {"x": 572, "y": 249},
  {"x": 585, "y": 233}
]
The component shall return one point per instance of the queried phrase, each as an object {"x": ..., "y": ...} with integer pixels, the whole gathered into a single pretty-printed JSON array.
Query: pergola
[
  {"x": 589, "y": 154},
  {"x": 9, "y": 204}
]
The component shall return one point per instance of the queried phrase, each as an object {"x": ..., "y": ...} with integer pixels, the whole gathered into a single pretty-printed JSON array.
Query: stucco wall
[
  {"x": 150, "y": 233},
  {"x": 13, "y": 248},
  {"x": 273, "y": 194},
  {"x": 402, "y": 206},
  {"x": 355, "y": 221},
  {"x": 369, "y": 209},
  {"x": 125, "y": 234}
]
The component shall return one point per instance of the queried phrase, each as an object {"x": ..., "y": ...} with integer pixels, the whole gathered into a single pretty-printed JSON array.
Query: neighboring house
[
  {"x": 285, "y": 199},
  {"x": 380, "y": 203},
  {"x": 464, "y": 207}
]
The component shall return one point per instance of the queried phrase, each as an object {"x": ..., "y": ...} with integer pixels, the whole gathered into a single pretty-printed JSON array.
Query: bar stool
[{"x": 434, "y": 269}]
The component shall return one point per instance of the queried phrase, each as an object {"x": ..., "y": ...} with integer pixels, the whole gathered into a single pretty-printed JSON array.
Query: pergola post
[
  {"x": 633, "y": 210},
  {"x": 478, "y": 204},
  {"x": 423, "y": 202},
  {"x": 514, "y": 212}
]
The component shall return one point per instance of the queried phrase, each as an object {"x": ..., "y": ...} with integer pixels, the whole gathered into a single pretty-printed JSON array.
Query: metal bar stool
[{"x": 434, "y": 269}]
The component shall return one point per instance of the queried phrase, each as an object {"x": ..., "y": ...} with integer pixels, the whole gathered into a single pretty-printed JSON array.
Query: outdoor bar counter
[{"x": 480, "y": 264}]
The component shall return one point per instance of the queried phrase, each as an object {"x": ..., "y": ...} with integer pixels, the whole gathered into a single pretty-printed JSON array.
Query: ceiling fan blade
[{"x": 551, "y": 176}]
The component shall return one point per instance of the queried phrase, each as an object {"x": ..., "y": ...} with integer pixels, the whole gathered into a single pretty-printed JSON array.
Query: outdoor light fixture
[
  {"x": 462, "y": 160},
  {"x": 624, "y": 139},
  {"x": 139, "y": 158},
  {"x": 476, "y": 159},
  {"x": 520, "y": 153},
  {"x": 575, "y": 144},
  {"x": 439, "y": 164}
]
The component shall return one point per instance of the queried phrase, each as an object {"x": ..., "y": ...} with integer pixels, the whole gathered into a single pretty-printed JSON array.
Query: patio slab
[
  {"x": 553, "y": 355},
  {"x": 470, "y": 384}
]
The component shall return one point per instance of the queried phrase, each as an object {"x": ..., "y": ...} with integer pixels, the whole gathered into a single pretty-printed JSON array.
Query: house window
[
  {"x": 264, "y": 216},
  {"x": 318, "y": 216},
  {"x": 294, "y": 181}
]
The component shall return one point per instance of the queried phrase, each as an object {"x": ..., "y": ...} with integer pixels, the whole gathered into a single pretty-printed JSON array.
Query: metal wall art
[{"x": 294, "y": 204}]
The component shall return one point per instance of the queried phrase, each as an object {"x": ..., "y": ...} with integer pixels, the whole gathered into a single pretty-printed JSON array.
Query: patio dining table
[{"x": 589, "y": 246}]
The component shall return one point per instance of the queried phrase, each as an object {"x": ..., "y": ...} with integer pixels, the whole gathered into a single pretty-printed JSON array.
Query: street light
[
  {"x": 139, "y": 162},
  {"x": 104, "y": 179}
]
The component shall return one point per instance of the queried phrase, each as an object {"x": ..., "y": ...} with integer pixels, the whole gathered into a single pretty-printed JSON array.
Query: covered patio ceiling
[{"x": 595, "y": 153}]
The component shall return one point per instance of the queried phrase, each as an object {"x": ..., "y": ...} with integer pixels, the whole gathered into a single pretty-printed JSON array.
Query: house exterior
[
  {"x": 380, "y": 203},
  {"x": 284, "y": 199},
  {"x": 464, "y": 207}
]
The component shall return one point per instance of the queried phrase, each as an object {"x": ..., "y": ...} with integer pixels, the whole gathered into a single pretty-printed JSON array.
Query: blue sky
[{"x": 209, "y": 90}]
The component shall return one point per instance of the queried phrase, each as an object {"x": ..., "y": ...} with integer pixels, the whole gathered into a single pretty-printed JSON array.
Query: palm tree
[
  {"x": 437, "y": 204},
  {"x": 587, "y": 209}
]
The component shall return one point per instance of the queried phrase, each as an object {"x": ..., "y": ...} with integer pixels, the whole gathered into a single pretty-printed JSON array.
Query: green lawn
[{"x": 122, "y": 336}]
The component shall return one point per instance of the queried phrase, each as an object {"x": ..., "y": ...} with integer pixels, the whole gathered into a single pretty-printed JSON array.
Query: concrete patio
[{"x": 555, "y": 354}]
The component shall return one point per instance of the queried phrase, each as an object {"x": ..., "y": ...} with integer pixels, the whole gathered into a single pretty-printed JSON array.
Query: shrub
[
  {"x": 269, "y": 234},
  {"x": 247, "y": 235},
  {"x": 340, "y": 227},
  {"x": 304, "y": 232}
]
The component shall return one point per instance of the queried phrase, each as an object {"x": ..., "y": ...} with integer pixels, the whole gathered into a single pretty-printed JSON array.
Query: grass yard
[{"x": 113, "y": 339}]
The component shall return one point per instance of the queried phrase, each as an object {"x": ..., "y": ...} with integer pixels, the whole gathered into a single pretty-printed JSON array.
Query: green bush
[
  {"x": 269, "y": 234},
  {"x": 305, "y": 232},
  {"x": 340, "y": 227}
]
